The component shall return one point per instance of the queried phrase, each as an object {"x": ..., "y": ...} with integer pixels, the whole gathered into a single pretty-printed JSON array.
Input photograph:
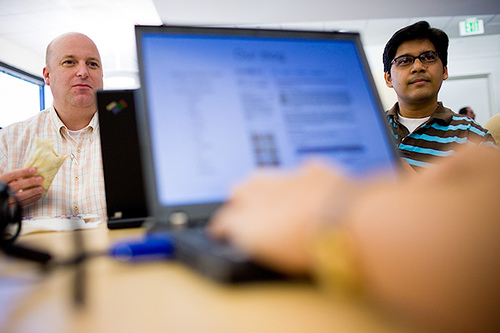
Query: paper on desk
[{"x": 58, "y": 223}]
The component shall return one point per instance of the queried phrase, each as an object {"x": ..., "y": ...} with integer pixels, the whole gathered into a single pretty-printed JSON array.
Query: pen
[{"x": 153, "y": 246}]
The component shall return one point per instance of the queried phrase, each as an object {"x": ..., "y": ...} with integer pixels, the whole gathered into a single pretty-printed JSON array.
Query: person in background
[
  {"x": 427, "y": 259},
  {"x": 415, "y": 65},
  {"x": 74, "y": 72},
  {"x": 467, "y": 111}
]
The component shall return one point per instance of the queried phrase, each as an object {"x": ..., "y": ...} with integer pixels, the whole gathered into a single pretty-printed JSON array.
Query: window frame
[{"x": 20, "y": 74}]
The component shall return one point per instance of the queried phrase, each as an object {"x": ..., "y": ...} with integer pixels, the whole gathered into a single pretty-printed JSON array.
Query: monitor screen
[{"x": 221, "y": 102}]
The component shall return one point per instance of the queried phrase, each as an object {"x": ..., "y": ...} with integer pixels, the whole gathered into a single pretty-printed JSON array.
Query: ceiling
[{"x": 32, "y": 24}]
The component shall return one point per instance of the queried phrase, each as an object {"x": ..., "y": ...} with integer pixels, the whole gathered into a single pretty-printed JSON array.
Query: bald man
[{"x": 73, "y": 71}]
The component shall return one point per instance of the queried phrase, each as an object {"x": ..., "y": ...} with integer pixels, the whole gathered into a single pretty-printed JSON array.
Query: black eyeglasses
[{"x": 426, "y": 57}]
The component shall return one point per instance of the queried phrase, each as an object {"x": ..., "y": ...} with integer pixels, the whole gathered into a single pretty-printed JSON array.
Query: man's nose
[
  {"x": 418, "y": 65},
  {"x": 82, "y": 70}
]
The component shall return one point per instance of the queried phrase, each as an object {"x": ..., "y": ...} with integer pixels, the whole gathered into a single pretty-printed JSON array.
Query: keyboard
[{"x": 217, "y": 260}]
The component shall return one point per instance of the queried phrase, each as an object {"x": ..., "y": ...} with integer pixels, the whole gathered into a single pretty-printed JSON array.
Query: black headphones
[{"x": 11, "y": 214}]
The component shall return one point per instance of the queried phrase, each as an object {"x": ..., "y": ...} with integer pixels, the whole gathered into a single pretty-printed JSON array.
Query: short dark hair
[
  {"x": 463, "y": 110},
  {"x": 419, "y": 30}
]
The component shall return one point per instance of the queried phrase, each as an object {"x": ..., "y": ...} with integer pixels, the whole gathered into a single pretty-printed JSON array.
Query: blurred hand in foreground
[{"x": 274, "y": 214}]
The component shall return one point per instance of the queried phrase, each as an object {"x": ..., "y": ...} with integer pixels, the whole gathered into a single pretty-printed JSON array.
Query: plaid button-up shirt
[{"x": 78, "y": 187}]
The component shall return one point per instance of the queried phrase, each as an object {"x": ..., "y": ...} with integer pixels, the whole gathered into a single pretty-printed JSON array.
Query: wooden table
[{"x": 166, "y": 296}]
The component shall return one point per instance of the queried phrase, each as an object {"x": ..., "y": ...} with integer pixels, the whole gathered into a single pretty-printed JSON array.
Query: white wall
[
  {"x": 479, "y": 57},
  {"x": 20, "y": 57}
]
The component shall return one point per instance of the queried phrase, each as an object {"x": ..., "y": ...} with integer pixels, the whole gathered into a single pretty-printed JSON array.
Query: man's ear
[
  {"x": 388, "y": 79},
  {"x": 445, "y": 73},
  {"x": 46, "y": 76}
]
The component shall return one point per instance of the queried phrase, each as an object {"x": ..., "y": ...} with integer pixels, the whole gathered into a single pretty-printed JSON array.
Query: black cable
[
  {"x": 11, "y": 214},
  {"x": 22, "y": 252}
]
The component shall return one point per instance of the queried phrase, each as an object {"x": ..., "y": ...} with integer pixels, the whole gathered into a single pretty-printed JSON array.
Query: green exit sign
[{"x": 471, "y": 27}]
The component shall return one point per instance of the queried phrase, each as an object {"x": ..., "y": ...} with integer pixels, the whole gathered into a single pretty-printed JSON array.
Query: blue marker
[{"x": 153, "y": 246}]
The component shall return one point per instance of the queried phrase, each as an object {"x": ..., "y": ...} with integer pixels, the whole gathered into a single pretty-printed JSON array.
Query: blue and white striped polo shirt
[{"x": 436, "y": 138}]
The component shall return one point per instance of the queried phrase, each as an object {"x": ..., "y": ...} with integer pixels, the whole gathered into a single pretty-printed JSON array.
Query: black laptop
[
  {"x": 121, "y": 159},
  {"x": 221, "y": 102}
]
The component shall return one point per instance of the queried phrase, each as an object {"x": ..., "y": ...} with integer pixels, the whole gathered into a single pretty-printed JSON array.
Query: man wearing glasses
[{"x": 415, "y": 65}]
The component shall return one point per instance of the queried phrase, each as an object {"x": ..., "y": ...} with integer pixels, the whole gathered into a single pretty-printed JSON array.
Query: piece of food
[{"x": 45, "y": 160}]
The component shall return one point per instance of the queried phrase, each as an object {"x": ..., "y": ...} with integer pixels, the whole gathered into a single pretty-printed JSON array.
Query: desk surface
[{"x": 166, "y": 297}]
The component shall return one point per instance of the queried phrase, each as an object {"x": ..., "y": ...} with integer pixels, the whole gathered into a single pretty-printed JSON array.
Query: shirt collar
[
  {"x": 441, "y": 114},
  {"x": 61, "y": 128}
]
